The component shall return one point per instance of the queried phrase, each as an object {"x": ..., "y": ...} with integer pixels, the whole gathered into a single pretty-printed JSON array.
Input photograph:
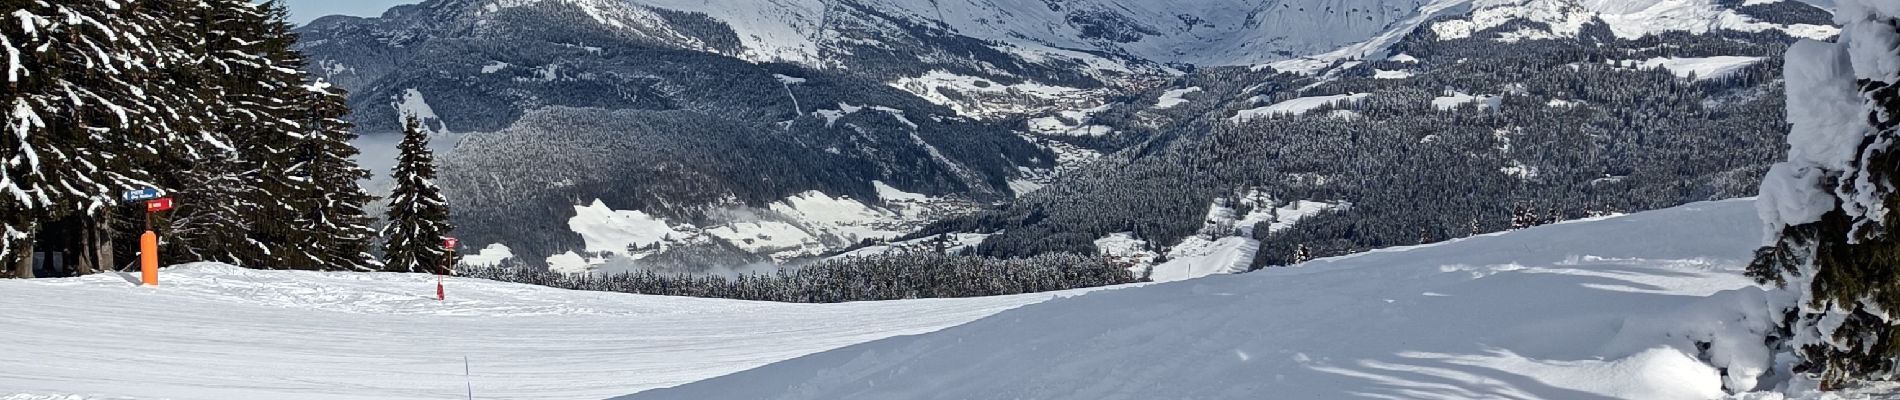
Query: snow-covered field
[
  {"x": 803, "y": 225},
  {"x": 1614, "y": 308},
  {"x": 217, "y": 332},
  {"x": 1297, "y": 106},
  {"x": 1605, "y": 309},
  {"x": 1702, "y": 68}
]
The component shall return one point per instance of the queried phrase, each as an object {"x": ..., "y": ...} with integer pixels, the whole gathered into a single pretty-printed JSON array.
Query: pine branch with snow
[{"x": 1830, "y": 208}]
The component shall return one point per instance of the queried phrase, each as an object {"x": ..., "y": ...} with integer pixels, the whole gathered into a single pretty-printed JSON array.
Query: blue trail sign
[{"x": 142, "y": 195}]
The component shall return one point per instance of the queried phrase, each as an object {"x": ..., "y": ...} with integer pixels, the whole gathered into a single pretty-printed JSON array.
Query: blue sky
[{"x": 302, "y": 11}]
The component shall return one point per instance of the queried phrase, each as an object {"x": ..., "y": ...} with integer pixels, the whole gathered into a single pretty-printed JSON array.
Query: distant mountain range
[{"x": 607, "y": 134}]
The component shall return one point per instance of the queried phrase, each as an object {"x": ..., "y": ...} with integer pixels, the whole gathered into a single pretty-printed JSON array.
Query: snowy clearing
[
  {"x": 804, "y": 225},
  {"x": 1627, "y": 19},
  {"x": 1198, "y": 256},
  {"x": 952, "y": 244},
  {"x": 1297, "y": 106},
  {"x": 982, "y": 98},
  {"x": 1604, "y": 309},
  {"x": 217, "y": 332},
  {"x": 1072, "y": 123},
  {"x": 1451, "y": 101},
  {"x": 1386, "y": 74},
  {"x": 1175, "y": 98},
  {"x": 1703, "y": 68}
]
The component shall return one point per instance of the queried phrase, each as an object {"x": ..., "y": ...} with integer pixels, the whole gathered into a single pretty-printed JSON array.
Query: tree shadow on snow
[{"x": 1448, "y": 376}]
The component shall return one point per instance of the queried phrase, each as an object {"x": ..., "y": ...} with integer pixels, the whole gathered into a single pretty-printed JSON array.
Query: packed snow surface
[
  {"x": 1198, "y": 256},
  {"x": 1603, "y": 309},
  {"x": 217, "y": 332}
]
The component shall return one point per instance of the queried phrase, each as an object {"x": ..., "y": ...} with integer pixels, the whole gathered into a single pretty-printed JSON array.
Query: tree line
[
  {"x": 891, "y": 276},
  {"x": 206, "y": 101}
]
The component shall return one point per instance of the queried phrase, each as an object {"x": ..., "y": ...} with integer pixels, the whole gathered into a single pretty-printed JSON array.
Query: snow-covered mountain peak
[
  {"x": 1551, "y": 19},
  {"x": 1204, "y": 32},
  {"x": 1201, "y": 32},
  {"x": 1628, "y": 19},
  {"x": 770, "y": 30}
]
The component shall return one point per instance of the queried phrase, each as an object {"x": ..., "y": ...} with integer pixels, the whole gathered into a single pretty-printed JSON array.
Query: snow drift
[{"x": 1646, "y": 306}]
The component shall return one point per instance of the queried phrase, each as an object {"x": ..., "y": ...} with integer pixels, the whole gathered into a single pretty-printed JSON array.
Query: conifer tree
[
  {"x": 1831, "y": 208},
  {"x": 202, "y": 98},
  {"x": 418, "y": 215},
  {"x": 212, "y": 216},
  {"x": 266, "y": 95},
  {"x": 286, "y": 198},
  {"x": 84, "y": 110},
  {"x": 335, "y": 224}
]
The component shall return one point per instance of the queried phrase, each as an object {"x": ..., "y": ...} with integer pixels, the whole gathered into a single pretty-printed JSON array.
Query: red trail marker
[{"x": 450, "y": 244}]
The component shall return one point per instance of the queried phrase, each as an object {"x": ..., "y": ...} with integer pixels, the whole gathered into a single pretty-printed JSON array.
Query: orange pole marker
[{"x": 148, "y": 258}]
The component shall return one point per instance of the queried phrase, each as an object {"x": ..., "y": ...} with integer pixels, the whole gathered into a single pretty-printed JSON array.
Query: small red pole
[{"x": 449, "y": 244}]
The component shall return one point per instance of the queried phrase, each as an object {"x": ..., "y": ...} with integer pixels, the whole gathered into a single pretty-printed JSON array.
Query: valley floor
[{"x": 1615, "y": 308}]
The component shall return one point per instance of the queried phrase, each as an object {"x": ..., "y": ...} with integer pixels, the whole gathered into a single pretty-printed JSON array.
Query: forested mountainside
[
  {"x": 566, "y": 111},
  {"x": 1071, "y": 43},
  {"x": 1452, "y": 131},
  {"x": 705, "y": 127},
  {"x": 679, "y": 133}
]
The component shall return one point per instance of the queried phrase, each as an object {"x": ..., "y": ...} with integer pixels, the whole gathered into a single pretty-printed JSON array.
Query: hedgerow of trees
[{"x": 891, "y": 276}]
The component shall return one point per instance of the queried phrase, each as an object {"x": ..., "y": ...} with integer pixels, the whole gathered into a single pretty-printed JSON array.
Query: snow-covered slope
[
  {"x": 1206, "y": 32},
  {"x": 1516, "y": 20},
  {"x": 217, "y": 332},
  {"x": 1626, "y": 19},
  {"x": 1103, "y": 37},
  {"x": 1606, "y": 309},
  {"x": 1646, "y": 306}
]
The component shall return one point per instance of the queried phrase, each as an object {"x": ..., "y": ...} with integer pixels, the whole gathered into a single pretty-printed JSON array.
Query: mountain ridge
[{"x": 948, "y": 85}]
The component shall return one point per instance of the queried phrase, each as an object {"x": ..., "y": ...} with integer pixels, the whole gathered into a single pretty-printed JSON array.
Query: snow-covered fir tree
[
  {"x": 286, "y": 198},
  {"x": 218, "y": 191},
  {"x": 1831, "y": 207},
  {"x": 86, "y": 105},
  {"x": 334, "y": 223},
  {"x": 203, "y": 99},
  {"x": 269, "y": 127},
  {"x": 418, "y": 215}
]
